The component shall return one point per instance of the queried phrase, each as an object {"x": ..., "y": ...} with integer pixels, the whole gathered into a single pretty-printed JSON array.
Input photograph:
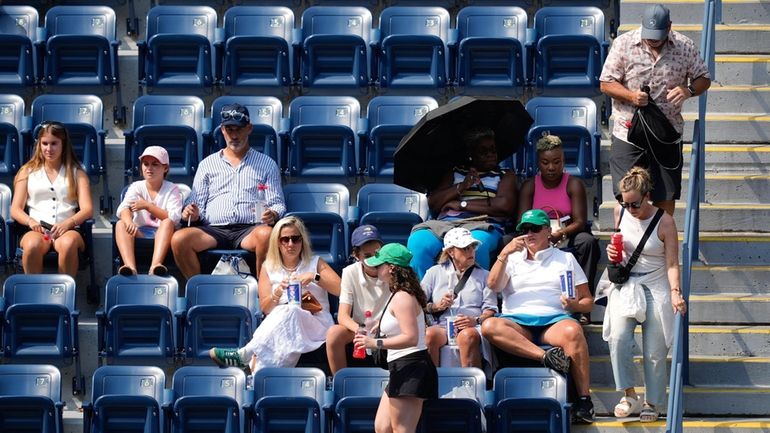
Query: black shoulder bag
[
  {"x": 458, "y": 287},
  {"x": 652, "y": 131},
  {"x": 619, "y": 274},
  {"x": 380, "y": 356}
]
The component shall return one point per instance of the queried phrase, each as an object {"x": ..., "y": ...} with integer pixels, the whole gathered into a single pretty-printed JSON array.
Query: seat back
[
  {"x": 222, "y": 311},
  {"x": 185, "y": 20},
  {"x": 140, "y": 290},
  {"x": 289, "y": 399},
  {"x": 18, "y": 33},
  {"x": 390, "y": 118},
  {"x": 5, "y": 202},
  {"x": 337, "y": 20},
  {"x": 530, "y": 398},
  {"x": 209, "y": 396},
  {"x": 128, "y": 380},
  {"x": 81, "y": 20},
  {"x": 124, "y": 397},
  {"x": 265, "y": 113},
  {"x": 275, "y": 21},
  {"x": 184, "y": 145},
  {"x": 356, "y": 393},
  {"x": 317, "y": 197},
  {"x": 323, "y": 132},
  {"x": 58, "y": 289},
  {"x": 11, "y": 141},
  {"x": 290, "y": 382},
  {"x": 492, "y": 22},
  {"x": 529, "y": 382},
  {"x": 559, "y": 116},
  {"x": 30, "y": 398},
  {"x": 415, "y": 20},
  {"x": 460, "y": 407},
  {"x": 82, "y": 114},
  {"x": 456, "y": 382},
  {"x": 381, "y": 197},
  {"x": 30, "y": 380},
  {"x": 570, "y": 20}
]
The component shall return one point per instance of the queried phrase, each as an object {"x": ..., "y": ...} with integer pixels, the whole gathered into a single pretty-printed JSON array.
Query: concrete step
[
  {"x": 691, "y": 11},
  {"x": 704, "y": 371},
  {"x": 730, "y": 279},
  {"x": 713, "y": 217},
  {"x": 733, "y": 99},
  {"x": 731, "y": 127},
  {"x": 721, "y": 187},
  {"x": 611, "y": 424},
  {"x": 728, "y": 340},
  {"x": 730, "y": 38},
  {"x": 737, "y": 69},
  {"x": 711, "y": 401},
  {"x": 730, "y": 158},
  {"x": 720, "y": 248}
]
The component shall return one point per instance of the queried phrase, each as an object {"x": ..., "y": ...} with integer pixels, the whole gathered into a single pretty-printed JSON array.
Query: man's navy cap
[
  {"x": 656, "y": 22},
  {"x": 364, "y": 234}
]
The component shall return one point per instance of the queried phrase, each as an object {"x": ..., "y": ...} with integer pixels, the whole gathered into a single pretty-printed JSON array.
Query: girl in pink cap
[{"x": 151, "y": 208}]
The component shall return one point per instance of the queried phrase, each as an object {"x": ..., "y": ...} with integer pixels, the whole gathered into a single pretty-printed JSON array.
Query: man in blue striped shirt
[{"x": 236, "y": 198}]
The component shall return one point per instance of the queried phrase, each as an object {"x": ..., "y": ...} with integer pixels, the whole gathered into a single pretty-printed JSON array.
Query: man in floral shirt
[{"x": 658, "y": 57}]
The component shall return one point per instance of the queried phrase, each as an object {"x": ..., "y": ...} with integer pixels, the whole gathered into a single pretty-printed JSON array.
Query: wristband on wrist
[{"x": 503, "y": 260}]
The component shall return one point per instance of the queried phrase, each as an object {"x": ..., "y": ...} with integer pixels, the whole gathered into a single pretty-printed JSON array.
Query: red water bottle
[
  {"x": 360, "y": 352},
  {"x": 616, "y": 240}
]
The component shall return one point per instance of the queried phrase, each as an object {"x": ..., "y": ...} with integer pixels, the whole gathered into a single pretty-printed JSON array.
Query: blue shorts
[
  {"x": 536, "y": 325},
  {"x": 147, "y": 232}
]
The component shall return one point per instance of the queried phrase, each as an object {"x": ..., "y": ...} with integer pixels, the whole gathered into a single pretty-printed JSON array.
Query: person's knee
[
  {"x": 490, "y": 327},
  {"x": 34, "y": 245},
  {"x": 181, "y": 240},
  {"x": 468, "y": 337},
  {"x": 66, "y": 245},
  {"x": 258, "y": 240},
  {"x": 338, "y": 336},
  {"x": 434, "y": 337},
  {"x": 166, "y": 224}
]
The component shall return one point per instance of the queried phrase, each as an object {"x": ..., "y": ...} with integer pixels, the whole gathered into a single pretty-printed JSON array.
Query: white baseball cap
[
  {"x": 156, "y": 152},
  {"x": 459, "y": 237}
]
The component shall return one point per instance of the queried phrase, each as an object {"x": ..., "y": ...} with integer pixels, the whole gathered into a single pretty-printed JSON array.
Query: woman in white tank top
[
  {"x": 413, "y": 376},
  {"x": 51, "y": 188},
  {"x": 657, "y": 272}
]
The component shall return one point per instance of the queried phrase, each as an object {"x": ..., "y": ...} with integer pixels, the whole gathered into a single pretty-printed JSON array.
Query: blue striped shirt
[{"x": 226, "y": 195}]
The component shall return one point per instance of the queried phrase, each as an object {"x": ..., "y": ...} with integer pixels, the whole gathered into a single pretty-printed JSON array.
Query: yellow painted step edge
[
  {"x": 732, "y": 298},
  {"x": 691, "y": 1},
  {"x": 687, "y": 424},
  {"x": 712, "y": 206},
  {"x": 704, "y": 330},
  {"x": 731, "y": 268},
  {"x": 729, "y": 117},
  {"x": 698, "y": 27},
  {"x": 696, "y": 359},
  {"x": 741, "y": 59},
  {"x": 699, "y": 390},
  {"x": 759, "y": 148}
]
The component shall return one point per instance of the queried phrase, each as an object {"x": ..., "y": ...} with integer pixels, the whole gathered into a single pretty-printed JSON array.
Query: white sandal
[{"x": 627, "y": 407}]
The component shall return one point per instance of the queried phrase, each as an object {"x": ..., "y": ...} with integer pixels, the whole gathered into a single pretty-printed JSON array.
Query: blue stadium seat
[
  {"x": 389, "y": 119},
  {"x": 324, "y": 136},
  {"x": 393, "y": 209},
  {"x": 40, "y": 321},
  {"x": 208, "y": 399},
  {"x": 530, "y": 399},
  {"x": 11, "y": 135},
  {"x": 289, "y": 399},
  {"x": 460, "y": 408},
  {"x": 18, "y": 36},
  {"x": 83, "y": 116},
  {"x": 221, "y": 311},
  {"x": 30, "y": 398},
  {"x": 81, "y": 48},
  {"x": 179, "y": 50},
  {"x": 324, "y": 208},
  {"x": 490, "y": 47},
  {"x": 5, "y": 215},
  {"x": 137, "y": 324},
  {"x": 570, "y": 48},
  {"x": 265, "y": 112},
  {"x": 175, "y": 122},
  {"x": 575, "y": 121},
  {"x": 412, "y": 49},
  {"x": 356, "y": 396},
  {"x": 125, "y": 398},
  {"x": 258, "y": 46},
  {"x": 335, "y": 46}
]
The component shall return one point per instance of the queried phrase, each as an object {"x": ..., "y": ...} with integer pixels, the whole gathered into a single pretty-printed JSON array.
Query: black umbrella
[{"x": 434, "y": 145}]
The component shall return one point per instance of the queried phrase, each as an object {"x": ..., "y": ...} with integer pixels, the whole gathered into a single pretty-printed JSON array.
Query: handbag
[
  {"x": 558, "y": 224},
  {"x": 310, "y": 303},
  {"x": 651, "y": 131},
  {"x": 458, "y": 287},
  {"x": 630, "y": 302},
  {"x": 231, "y": 265},
  {"x": 380, "y": 356},
  {"x": 618, "y": 273}
]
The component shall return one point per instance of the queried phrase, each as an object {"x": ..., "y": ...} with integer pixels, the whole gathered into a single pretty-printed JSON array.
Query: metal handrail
[{"x": 690, "y": 247}]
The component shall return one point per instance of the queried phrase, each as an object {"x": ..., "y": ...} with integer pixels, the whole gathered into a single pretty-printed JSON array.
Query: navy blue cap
[{"x": 364, "y": 234}]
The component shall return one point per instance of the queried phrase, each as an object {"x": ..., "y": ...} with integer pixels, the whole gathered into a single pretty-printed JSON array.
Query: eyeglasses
[
  {"x": 234, "y": 115},
  {"x": 52, "y": 124},
  {"x": 295, "y": 239},
  {"x": 531, "y": 228},
  {"x": 632, "y": 205}
]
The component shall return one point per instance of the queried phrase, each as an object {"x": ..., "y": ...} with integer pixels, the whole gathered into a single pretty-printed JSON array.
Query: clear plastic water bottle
[
  {"x": 260, "y": 205},
  {"x": 293, "y": 290},
  {"x": 369, "y": 325},
  {"x": 360, "y": 352},
  {"x": 451, "y": 331}
]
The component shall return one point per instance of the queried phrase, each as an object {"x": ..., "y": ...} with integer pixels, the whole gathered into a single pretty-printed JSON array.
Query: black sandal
[
  {"x": 126, "y": 271},
  {"x": 160, "y": 271}
]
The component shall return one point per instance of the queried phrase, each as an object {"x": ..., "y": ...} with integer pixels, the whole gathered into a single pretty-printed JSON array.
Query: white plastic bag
[
  {"x": 231, "y": 265},
  {"x": 630, "y": 302}
]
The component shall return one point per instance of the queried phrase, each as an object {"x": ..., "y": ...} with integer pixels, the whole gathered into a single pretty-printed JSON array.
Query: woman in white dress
[
  {"x": 288, "y": 330},
  {"x": 52, "y": 199}
]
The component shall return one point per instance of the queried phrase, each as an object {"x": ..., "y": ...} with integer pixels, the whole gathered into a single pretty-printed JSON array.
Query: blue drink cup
[
  {"x": 293, "y": 293},
  {"x": 451, "y": 331}
]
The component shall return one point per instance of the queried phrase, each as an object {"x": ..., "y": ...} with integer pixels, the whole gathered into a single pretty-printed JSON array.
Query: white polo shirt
[{"x": 362, "y": 293}]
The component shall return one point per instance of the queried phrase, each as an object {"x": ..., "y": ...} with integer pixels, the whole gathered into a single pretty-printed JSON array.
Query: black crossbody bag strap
[
  {"x": 647, "y": 233},
  {"x": 458, "y": 287},
  {"x": 384, "y": 310}
]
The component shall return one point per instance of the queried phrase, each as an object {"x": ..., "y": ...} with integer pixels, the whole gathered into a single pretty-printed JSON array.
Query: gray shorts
[
  {"x": 666, "y": 181},
  {"x": 228, "y": 237}
]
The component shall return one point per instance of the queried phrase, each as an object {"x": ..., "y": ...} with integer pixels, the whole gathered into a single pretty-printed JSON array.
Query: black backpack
[{"x": 652, "y": 131}]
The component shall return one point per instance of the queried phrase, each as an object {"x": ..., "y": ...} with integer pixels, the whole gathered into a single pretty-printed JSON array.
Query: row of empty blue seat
[{"x": 212, "y": 399}]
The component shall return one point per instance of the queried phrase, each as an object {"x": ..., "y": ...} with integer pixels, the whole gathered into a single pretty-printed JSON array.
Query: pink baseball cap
[{"x": 156, "y": 152}]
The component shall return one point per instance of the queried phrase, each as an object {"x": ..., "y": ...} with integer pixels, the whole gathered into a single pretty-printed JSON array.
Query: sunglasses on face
[
  {"x": 531, "y": 228},
  {"x": 632, "y": 205},
  {"x": 293, "y": 239},
  {"x": 235, "y": 115}
]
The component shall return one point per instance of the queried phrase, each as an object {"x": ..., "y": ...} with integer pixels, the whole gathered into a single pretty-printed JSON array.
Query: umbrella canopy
[{"x": 435, "y": 144}]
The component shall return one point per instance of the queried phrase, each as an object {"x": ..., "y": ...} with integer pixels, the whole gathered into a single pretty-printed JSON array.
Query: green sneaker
[{"x": 226, "y": 357}]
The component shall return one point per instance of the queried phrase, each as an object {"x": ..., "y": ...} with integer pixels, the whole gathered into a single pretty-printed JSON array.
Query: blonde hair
[
  {"x": 548, "y": 142},
  {"x": 273, "y": 259},
  {"x": 637, "y": 179},
  {"x": 69, "y": 159}
]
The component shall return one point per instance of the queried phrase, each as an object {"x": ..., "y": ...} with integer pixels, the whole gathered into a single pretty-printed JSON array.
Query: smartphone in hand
[{"x": 46, "y": 225}]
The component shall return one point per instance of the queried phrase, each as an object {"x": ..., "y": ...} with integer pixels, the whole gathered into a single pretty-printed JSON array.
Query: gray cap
[{"x": 656, "y": 22}]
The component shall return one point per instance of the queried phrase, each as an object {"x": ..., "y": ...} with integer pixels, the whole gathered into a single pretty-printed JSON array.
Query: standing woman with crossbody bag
[
  {"x": 657, "y": 272},
  {"x": 413, "y": 376}
]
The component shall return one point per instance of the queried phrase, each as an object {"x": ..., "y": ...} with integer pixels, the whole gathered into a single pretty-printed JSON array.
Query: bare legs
[
  {"x": 398, "y": 415},
  {"x": 337, "y": 338},
  {"x": 67, "y": 247},
  {"x": 468, "y": 341}
]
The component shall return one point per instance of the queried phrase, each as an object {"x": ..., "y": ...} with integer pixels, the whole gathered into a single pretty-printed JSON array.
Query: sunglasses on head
[
  {"x": 52, "y": 124},
  {"x": 295, "y": 239},
  {"x": 531, "y": 228},
  {"x": 234, "y": 115},
  {"x": 632, "y": 205}
]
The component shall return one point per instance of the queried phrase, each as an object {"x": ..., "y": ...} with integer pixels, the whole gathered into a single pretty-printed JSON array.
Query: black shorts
[
  {"x": 228, "y": 237},
  {"x": 666, "y": 175},
  {"x": 413, "y": 375}
]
